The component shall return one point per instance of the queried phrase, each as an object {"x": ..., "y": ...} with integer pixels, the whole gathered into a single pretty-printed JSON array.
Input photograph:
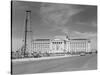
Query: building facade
[
  {"x": 79, "y": 45},
  {"x": 56, "y": 46},
  {"x": 61, "y": 45},
  {"x": 41, "y": 45}
]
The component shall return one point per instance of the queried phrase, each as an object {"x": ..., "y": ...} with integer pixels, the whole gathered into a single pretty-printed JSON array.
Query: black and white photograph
[{"x": 52, "y": 37}]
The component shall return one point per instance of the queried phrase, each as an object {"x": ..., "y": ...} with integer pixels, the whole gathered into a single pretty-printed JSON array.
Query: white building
[
  {"x": 61, "y": 45},
  {"x": 79, "y": 45},
  {"x": 41, "y": 45}
]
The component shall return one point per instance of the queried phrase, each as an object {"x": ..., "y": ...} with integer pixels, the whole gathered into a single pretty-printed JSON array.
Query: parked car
[
  {"x": 82, "y": 54},
  {"x": 36, "y": 55}
]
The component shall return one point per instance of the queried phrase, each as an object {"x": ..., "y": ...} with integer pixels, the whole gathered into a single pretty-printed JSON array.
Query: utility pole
[{"x": 28, "y": 12}]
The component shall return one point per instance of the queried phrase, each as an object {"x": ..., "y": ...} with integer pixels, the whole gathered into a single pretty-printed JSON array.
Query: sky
[{"x": 52, "y": 19}]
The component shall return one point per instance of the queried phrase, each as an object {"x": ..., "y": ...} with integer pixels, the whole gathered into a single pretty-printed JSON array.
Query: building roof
[
  {"x": 42, "y": 40},
  {"x": 78, "y": 39}
]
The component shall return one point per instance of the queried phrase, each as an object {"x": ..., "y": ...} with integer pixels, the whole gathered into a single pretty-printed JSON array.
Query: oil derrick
[{"x": 27, "y": 38}]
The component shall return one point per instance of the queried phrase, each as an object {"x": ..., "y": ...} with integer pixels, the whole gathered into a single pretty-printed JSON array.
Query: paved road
[{"x": 88, "y": 62}]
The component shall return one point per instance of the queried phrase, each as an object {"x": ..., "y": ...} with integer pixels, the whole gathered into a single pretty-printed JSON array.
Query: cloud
[
  {"x": 84, "y": 35},
  {"x": 84, "y": 21},
  {"x": 68, "y": 18},
  {"x": 56, "y": 15}
]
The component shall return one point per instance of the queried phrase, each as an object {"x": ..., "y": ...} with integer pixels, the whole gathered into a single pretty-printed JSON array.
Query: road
[{"x": 88, "y": 62}]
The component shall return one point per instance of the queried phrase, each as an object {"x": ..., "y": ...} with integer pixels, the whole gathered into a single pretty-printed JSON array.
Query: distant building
[
  {"x": 41, "y": 45},
  {"x": 79, "y": 45},
  {"x": 61, "y": 45}
]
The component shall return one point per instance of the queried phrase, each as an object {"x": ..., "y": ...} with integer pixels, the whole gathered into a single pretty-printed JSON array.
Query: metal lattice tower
[{"x": 27, "y": 30}]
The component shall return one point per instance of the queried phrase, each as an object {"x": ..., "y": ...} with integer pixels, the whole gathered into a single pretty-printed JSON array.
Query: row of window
[
  {"x": 78, "y": 45},
  {"x": 41, "y": 43},
  {"x": 57, "y": 42},
  {"x": 41, "y": 47},
  {"x": 78, "y": 42},
  {"x": 62, "y": 42}
]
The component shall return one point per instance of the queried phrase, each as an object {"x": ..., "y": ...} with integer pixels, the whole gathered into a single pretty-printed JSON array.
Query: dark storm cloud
[
  {"x": 84, "y": 21},
  {"x": 47, "y": 18},
  {"x": 73, "y": 17},
  {"x": 89, "y": 14}
]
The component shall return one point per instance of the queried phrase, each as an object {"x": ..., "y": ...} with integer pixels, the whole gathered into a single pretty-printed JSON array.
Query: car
[{"x": 82, "y": 54}]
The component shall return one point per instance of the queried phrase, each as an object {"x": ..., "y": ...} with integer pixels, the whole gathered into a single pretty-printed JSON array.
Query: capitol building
[{"x": 58, "y": 45}]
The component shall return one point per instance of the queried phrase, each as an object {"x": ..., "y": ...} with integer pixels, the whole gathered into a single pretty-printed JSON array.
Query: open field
[{"x": 88, "y": 62}]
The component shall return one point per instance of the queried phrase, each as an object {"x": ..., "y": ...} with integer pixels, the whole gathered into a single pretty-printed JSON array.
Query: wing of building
[{"x": 41, "y": 45}]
